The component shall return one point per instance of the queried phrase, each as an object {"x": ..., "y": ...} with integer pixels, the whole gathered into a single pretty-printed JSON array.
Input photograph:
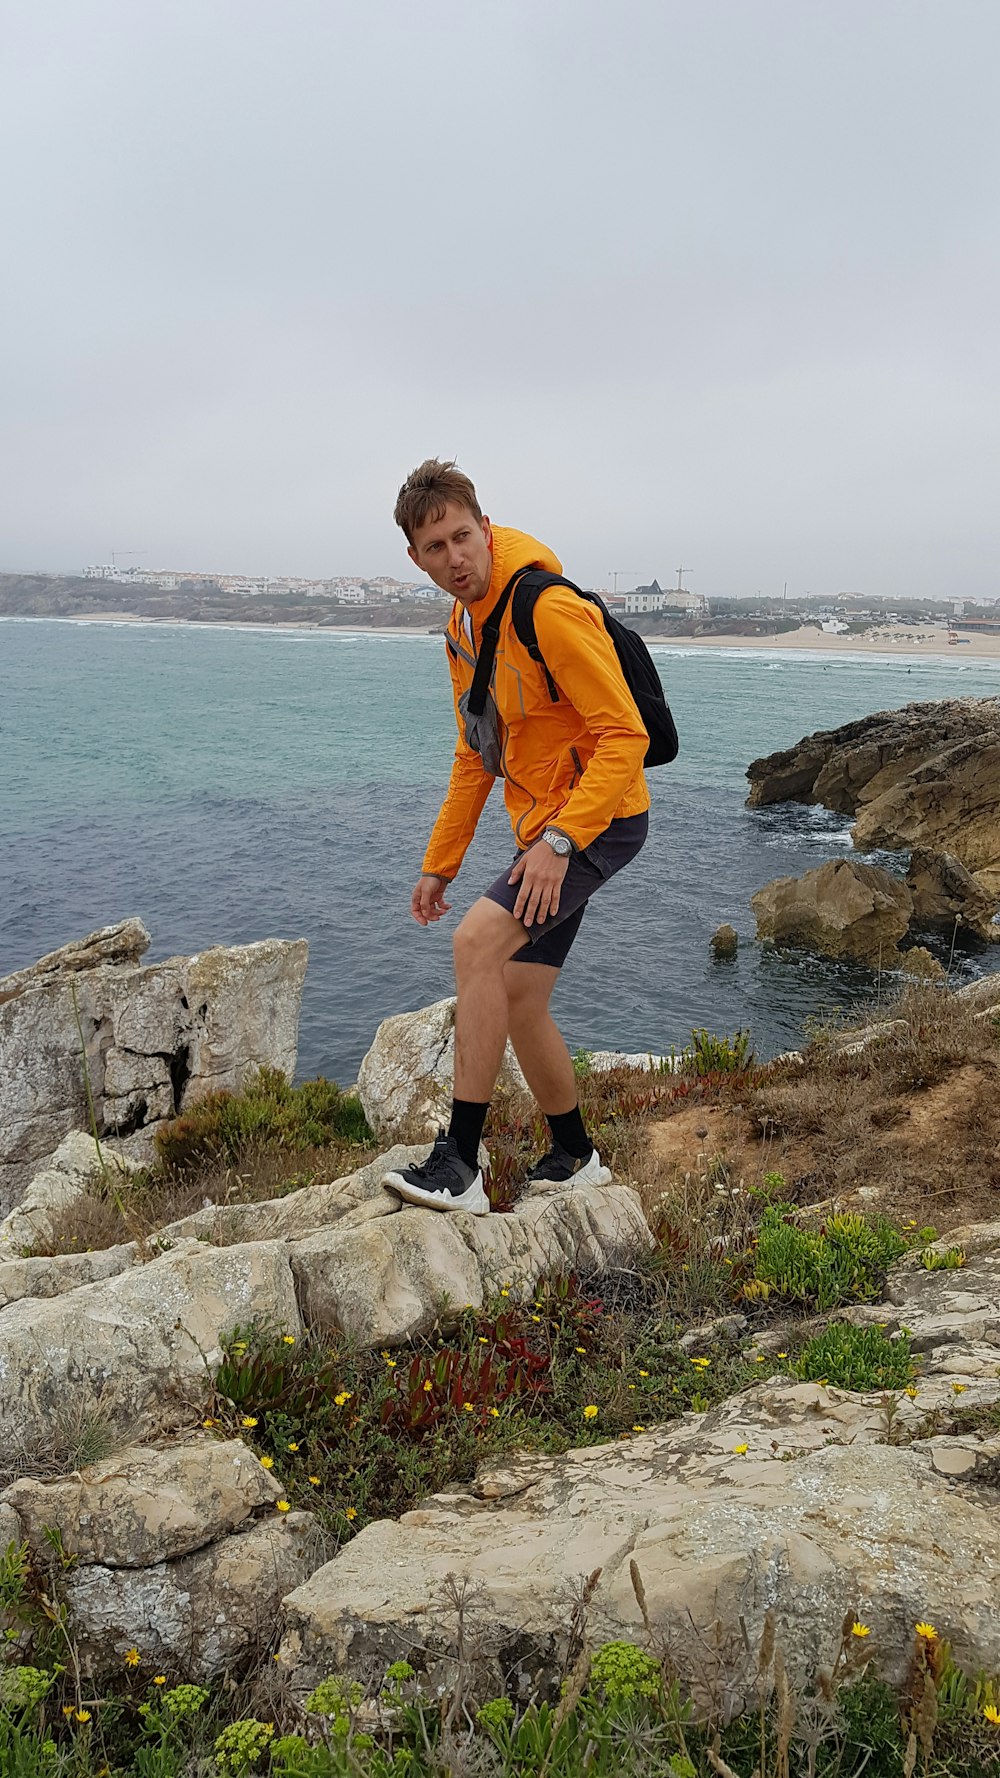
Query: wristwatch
[{"x": 561, "y": 846}]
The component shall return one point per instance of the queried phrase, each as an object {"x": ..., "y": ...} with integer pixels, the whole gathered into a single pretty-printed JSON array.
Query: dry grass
[
  {"x": 117, "y": 1210},
  {"x": 913, "y": 1118}
]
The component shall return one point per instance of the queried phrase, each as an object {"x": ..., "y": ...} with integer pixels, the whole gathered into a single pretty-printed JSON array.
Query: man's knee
[{"x": 486, "y": 937}]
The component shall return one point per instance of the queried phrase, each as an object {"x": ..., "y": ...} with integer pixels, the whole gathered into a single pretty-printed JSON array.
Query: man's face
[{"x": 455, "y": 552}]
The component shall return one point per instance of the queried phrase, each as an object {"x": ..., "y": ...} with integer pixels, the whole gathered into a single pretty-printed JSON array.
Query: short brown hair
[{"x": 427, "y": 491}]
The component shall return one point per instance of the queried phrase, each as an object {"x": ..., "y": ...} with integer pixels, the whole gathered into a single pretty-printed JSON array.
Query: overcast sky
[{"x": 700, "y": 281}]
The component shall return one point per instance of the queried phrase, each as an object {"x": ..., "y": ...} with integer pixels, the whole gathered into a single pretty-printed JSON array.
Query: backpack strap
[
  {"x": 533, "y": 582},
  {"x": 488, "y": 648}
]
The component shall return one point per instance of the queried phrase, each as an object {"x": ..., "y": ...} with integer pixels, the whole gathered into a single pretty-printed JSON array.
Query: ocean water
[{"x": 231, "y": 784}]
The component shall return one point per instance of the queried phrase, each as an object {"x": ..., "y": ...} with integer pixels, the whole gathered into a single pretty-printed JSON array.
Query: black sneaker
[
  {"x": 560, "y": 1168},
  {"x": 442, "y": 1182}
]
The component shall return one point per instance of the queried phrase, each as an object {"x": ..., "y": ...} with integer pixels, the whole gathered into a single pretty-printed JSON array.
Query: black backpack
[{"x": 636, "y": 662}]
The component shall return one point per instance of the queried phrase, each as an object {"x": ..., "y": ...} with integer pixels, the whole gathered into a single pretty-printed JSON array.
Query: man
[{"x": 577, "y": 799}]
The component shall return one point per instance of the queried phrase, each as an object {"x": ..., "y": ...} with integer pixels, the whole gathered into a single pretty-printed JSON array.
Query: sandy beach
[
  {"x": 918, "y": 642},
  {"x": 926, "y": 642}
]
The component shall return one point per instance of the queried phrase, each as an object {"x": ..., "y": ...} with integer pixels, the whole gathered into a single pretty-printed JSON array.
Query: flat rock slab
[
  {"x": 385, "y": 1279},
  {"x": 135, "y": 1345},
  {"x": 197, "y": 1616},
  {"x": 795, "y": 1523},
  {"x": 145, "y": 1505},
  {"x": 301, "y": 1212}
]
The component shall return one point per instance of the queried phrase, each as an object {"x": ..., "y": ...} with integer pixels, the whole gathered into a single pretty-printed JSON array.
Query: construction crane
[
  {"x": 124, "y": 552},
  {"x": 614, "y": 572},
  {"x": 679, "y": 588}
]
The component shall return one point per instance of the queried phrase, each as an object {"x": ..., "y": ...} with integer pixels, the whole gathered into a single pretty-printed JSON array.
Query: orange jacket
[{"x": 576, "y": 764}]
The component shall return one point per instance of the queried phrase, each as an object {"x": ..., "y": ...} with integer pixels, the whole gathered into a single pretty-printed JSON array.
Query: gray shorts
[{"x": 549, "y": 942}]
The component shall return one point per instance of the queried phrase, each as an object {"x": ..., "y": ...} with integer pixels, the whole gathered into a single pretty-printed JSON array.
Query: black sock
[
  {"x": 568, "y": 1131},
  {"x": 467, "y": 1120}
]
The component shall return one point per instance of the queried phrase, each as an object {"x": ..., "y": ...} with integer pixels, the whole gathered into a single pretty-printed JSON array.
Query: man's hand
[
  {"x": 540, "y": 873},
  {"x": 427, "y": 902}
]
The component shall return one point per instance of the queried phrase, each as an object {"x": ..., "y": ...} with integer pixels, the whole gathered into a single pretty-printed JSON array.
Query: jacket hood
[{"x": 511, "y": 550}]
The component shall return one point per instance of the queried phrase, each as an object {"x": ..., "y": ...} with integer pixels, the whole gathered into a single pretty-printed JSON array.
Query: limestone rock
[
  {"x": 155, "y": 1038},
  {"x": 405, "y": 1081},
  {"x": 385, "y": 1280},
  {"x": 146, "y": 1505},
  {"x": 946, "y": 896},
  {"x": 603, "y": 1061},
  {"x": 725, "y": 941},
  {"x": 806, "y": 1527},
  {"x": 301, "y": 1212},
  {"x": 125, "y": 942},
  {"x": 926, "y": 776},
  {"x": 918, "y": 962},
  {"x": 77, "y": 1160},
  {"x": 199, "y": 1615},
  {"x": 843, "y": 909},
  {"x": 57, "y": 1273},
  {"x": 132, "y": 1347}
]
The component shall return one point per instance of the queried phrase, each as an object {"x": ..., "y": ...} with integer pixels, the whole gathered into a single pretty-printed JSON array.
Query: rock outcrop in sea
[{"x": 924, "y": 779}]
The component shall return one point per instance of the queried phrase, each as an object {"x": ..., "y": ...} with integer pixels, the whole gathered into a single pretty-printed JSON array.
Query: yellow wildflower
[
  {"x": 283, "y": 1506},
  {"x": 267, "y": 1463},
  {"x": 467, "y": 1407},
  {"x": 350, "y": 1512},
  {"x": 495, "y": 1413},
  {"x": 781, "y": 1355},
  {"x": 701, "y": 1364},
  {"x": 293, "y": 1447},
  {"x": 391, "y": 1362},
  {"x": 740, "y": 1450},
  {"x": 590, "y": 1413},
  {"x": 159, "y": 1679},
  {"x": 911, "y": 1392},
  {"x": 483, "y": 1341},
  {"x": 428, "y": 1386},
  {"x": 860, "y": 1630},
  {"x": 210, "y": 1422},
  {"x": 505, "y": 1293},
  {"x": 638, "y": 1429},
  {"x": 314, "y": 1479},
  {"x": 644, "y": 1373},
  {"x": 960, "y": 1388},
  {"x": 536, "y": 1318},
  {"x": 82, "y": 1715},
  {"x": 992, "y": 1714},
  {"x": 580, "y": 1348},
  {"x": 249, "y": 1420},
  {"x": 344, "y": 1396},
  {"x": 927, "y": 1631},
  {"x": 760, "y": 1358},
  {"x": 132, "y": 1657},
  {"x": 240, "y": 1348},
  {"x": 67, "y": 1709}
]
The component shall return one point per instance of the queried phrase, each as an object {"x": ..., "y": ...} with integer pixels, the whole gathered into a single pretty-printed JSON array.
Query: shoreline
[{"x": 919, "y": 645}]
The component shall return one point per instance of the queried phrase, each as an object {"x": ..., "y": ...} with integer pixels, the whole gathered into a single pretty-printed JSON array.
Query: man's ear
[
  {"x": 411, "y": 552},
  {"x": 487, "y": 531}
]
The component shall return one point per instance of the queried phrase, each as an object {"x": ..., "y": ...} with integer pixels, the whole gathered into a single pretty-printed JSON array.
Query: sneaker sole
[
  {"x": 473, "y": 1201},
  {"x": 588, "y": 1175}
]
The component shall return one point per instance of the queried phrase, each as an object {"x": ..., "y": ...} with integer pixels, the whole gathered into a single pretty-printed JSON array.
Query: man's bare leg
[
  {"x": 485, "y": 940},
  {"x": 538, "y": 1044}
]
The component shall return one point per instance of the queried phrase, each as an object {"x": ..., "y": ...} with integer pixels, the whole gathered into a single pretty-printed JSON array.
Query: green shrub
[
  {"x": 845, "y": 1261},
  {"x": 951, "y": 1260},
  {"x": 708, "y": 1054},
  {"x": 269, "y": 1112},
  {"x": 859, "y": 1358}
]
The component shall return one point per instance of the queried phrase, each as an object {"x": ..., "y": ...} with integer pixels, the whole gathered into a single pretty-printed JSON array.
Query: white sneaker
[
  {"x": 442, "y": 1182},
  {"x": 560, "y": 1168}
]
